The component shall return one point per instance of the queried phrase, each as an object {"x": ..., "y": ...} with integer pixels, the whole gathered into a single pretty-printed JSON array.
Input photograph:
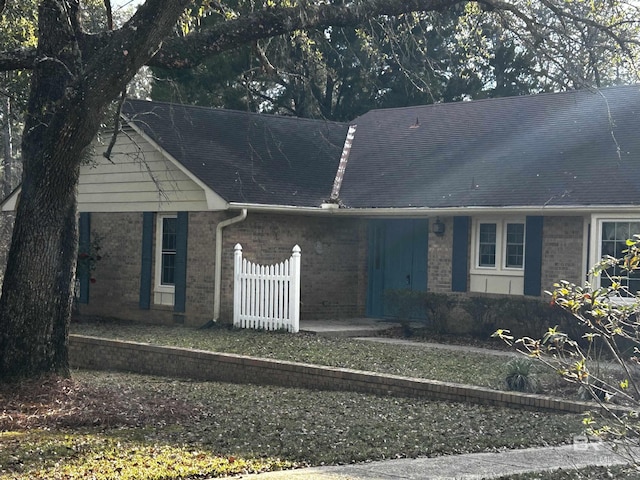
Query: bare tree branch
[
  {"x": 116, "y": 125},
  {"x": 189, "y": 51},
  {"x": 184, "y": 52},
  {"x": 560, "y": 13},
  {"x": 21, "y": 59},
  {"x": 107, "y": 6}
]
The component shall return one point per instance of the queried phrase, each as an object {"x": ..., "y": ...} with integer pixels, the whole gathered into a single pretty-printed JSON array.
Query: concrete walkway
[
  {"x": 352, "y": 327},
  {"x": 441, "y": 346},
  {"x": 475, "y": 466},
  {"x": 367, "y": 329}
]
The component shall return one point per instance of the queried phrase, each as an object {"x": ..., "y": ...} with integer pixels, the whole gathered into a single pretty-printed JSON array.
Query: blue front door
[{"x": 397, "y": 264}]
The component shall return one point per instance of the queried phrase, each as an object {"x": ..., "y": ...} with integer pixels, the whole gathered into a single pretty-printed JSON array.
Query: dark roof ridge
[
  {"x": 240, "y": 112},
  {"x": 464, "y": 103}
]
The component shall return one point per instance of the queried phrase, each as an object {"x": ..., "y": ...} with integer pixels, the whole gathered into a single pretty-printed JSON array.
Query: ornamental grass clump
[{"x": 519, "y": 376}]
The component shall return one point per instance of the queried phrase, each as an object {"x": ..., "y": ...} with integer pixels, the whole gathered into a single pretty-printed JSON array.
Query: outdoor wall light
[{"x": 438, "y": 227}]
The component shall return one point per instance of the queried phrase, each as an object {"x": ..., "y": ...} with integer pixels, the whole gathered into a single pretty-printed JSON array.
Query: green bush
[
  {"x": 519, "y": 376},
  {"x": 478, "y": 315}
]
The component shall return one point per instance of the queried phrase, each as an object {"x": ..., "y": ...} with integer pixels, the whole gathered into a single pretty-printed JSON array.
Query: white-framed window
[
  {"x": 497, "y": 255},
  {"x": 610, "y": 234},
  {"x": 165, "y": 259},
  {"x": 498, "y": 245}
]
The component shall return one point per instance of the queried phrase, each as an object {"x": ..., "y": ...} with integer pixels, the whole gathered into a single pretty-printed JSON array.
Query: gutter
[
  {"x": 334, "y": 209},
  {"x": 218, "y": 265}
]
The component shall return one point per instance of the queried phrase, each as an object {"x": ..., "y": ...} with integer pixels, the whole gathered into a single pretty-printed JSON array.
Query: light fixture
[{"x": 438, "y": 227}]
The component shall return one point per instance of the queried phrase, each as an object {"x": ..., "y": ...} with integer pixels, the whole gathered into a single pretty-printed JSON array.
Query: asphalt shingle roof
[
  {"x": 574, "y": 148},
  {"x": 247, "y": 157}
]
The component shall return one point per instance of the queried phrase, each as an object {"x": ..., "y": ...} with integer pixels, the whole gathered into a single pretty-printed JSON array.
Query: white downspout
[{"x": 218, "y": 265}]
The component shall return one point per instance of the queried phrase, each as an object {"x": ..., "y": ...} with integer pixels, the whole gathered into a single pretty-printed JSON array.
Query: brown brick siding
[
  {"x": 333, "y": 283},
  {"x": 562, "y": 251},
  {"x": 201, "y": 245},
  {"x": 334, "y": 262},
  {"x": 439, "y": 258},
  {"x": 116, "y": 290},
  {"x": 103, "y": 354}
]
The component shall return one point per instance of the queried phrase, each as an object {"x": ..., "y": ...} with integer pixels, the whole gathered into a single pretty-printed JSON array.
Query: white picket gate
[{"x": 266, "y": 297}]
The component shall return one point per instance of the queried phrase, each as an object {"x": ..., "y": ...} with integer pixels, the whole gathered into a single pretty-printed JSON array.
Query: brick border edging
[{"x": 106, "y": 354}]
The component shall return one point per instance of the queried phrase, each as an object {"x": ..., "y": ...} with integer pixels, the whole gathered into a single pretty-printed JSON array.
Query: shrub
[
  {"x": 519, "y": 376},
  {"x": 477, "y": 315}
]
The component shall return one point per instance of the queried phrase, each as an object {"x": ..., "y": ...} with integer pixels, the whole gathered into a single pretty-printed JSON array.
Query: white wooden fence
[{"x": 266, "y": 297}]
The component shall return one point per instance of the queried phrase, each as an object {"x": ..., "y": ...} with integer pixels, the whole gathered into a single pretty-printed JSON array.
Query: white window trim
[
  {"x": 595, "y": 234},
  {"x": 159, "y": 288},
  {"x": 501, "y": 242}
]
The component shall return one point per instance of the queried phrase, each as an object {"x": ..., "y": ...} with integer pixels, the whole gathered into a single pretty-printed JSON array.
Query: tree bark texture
[
  {"x": 36, "y": 294},
  {"x": 69, "y": 90}
]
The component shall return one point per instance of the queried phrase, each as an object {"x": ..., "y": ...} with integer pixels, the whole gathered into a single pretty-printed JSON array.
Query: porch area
[{"x": 347, "y": 327}]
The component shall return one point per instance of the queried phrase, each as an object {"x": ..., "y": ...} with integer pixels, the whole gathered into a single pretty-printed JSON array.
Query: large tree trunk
[
  {"x": 35, "y": 306},
  {"x": 36, "y": 294},
  {"x": 70, "y": 86}
]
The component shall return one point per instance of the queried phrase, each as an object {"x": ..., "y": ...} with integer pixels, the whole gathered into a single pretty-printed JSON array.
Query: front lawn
[
  {"x": 105, "y": 425},
  {"x": 113, "y": 425}
]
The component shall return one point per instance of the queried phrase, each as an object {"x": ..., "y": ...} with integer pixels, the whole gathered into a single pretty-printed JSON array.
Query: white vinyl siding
[{"x": 138, "y": 178}]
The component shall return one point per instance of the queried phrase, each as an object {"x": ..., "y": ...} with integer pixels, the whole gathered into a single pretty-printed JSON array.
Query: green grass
[
  {"x": 114, "y": 425},
  {"x": 485, "y": 370},
  {"x": 107, "y": 425}
]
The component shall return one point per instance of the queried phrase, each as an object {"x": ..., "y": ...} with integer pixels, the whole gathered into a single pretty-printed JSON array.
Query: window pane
[
  {"x": 168, "y": 269},
  {"x": 169, "y": 234},
  {"x": 614, "y": 236},
  {"x": 168, "y": 258},
  {"x": 514, "y": 255},
  {"x": 487, "y": 245},
  {"x": 608, "y": 231}
]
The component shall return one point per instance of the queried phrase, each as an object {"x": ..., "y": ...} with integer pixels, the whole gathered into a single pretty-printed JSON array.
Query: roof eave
[{"x": 330, "y": 209}]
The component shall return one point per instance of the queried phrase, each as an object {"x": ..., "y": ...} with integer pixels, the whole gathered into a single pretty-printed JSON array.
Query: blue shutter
[
  {"x": 460, "y": 255},
  {"x": 147, "y": 260},
  {"x": 533, "y": 256},
  {"x": 84, "y": 275},
  {"x": 182, "y": 232}
]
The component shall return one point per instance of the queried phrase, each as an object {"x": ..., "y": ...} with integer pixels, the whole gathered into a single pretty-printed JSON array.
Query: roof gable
[
  {"x": 244, "y": 157},
  {"x": 568, "y": 149}
]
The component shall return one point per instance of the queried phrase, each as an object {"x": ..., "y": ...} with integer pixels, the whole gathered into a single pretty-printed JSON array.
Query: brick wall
[
  {"x": 333, "y": 262},
  {"x": 201, "y": 246},
  {"x": 562, "y": 249},
  {"x": 103, "y": 354},
  {"x": 333, "y": 283},
  {"x": 116, "y": 290},
  {"x": 439, "y": 259}
]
